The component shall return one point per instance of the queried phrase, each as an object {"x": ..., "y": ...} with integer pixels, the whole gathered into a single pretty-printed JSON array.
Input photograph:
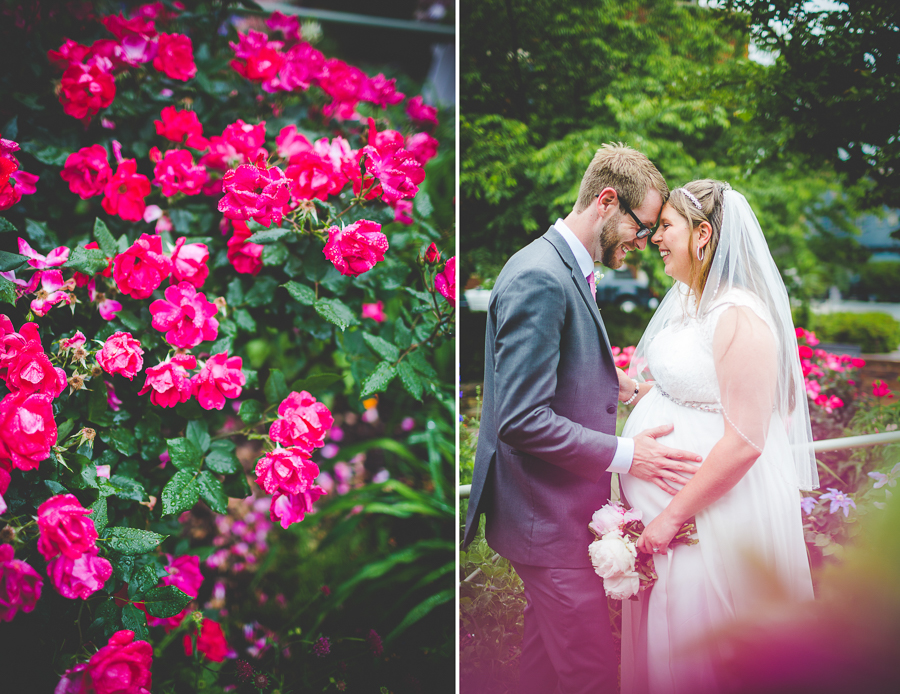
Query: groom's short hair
[{"x": 618, "y": 166}]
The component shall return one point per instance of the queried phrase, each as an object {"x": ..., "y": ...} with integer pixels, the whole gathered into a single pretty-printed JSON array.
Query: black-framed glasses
[{"x": 643, "y": 230}]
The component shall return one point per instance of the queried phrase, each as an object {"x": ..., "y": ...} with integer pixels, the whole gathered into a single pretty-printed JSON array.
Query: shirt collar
[{"x": 582, "y": 257}]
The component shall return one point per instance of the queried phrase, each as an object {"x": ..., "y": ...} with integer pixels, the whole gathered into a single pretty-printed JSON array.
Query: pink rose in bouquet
[
  {"x": 221, "y": 377},
  {"x": 292, "y": 508},
  {"x": 445, "y": 282},
  {"x": 142, "y": 268},
  {"x": 356, "y": 248},
  {"x": 175, "y": 172},
  {"x": 87, "y": 171},
  {"x": 185, "y": 316},
  {"x": 121, "y": 354},
  {"x": 122, "y": 666},
  {"x": 246, "y": 257},
  {"x": 288, "y": 470},
  {"x": 169, "y": 382},
  {"x": 175, "y": 57},
  {"x": 20, "y": 585},
  {"x": 189, "y": 262},
  {"x": 27, "y": 429},
  {"x": 125, "y": 192},
  {"x": 65, "y": 527},
  {"x": 79, "y": 578},
  {"x": 302, "y": 421},
  {"x": 85, "y": 89},
  {"x": 182, "y": 127}
]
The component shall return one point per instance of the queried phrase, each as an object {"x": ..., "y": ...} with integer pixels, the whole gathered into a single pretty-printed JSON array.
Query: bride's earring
[{"x": 700, "y": 253}]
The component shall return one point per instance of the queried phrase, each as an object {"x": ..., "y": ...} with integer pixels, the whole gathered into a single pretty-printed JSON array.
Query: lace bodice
[{"x": 681, "y": 361}]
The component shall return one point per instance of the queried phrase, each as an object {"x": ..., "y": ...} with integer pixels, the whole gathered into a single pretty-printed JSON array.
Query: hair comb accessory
[{"x": 690, "y": 196}]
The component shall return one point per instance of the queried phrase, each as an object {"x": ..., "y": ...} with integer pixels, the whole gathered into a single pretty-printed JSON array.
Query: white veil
[{"x": 755, "y": 347}]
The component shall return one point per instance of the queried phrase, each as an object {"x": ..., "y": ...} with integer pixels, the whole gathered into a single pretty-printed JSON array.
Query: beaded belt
[{"x": 705, "y": 406}]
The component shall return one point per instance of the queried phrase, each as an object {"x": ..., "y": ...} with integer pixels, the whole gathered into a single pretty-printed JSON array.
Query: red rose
[
  {"x": 189, "y": 262},
  {"x": 432, "y": 255},
  {"x": 87, "y": 171},
  {"x": 20, "y": 585},
  {"x": 244, "y": 256},
  {"x": 122, "y": 666},
  {"x": 121, "y": 354},
  {"x": 211, "y": 641},
  {"x": 32, "y": 372},
  {"x": 169, "y": 384},
  {"x": 125, "y": 192},
  {"x": 288, "y": 470},
  {"x": 445, "y": 282},
  {"x": 302, "y": 421},
  {"x": 175, "y": 57},
  {"x": 142, "y": 268},
  {"x": 175, "y": 172},
  {"x": 182, "y": 127},
  {"x": 65, "y": 528},
  {"x": 27, "y": 429},
  {"x": 356, "y": 248},
  {"x": 85, "y": 89},
  {"x": 221, "y": 377}
]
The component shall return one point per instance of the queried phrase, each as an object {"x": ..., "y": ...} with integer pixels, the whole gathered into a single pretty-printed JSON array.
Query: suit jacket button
[{"x": 611, "y": 409}]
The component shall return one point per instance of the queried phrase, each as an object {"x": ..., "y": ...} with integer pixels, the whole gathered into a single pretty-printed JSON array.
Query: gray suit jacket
[{"x": 548, "y": 420}]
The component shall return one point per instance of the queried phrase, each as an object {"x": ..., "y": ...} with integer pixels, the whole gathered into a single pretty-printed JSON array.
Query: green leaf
[
  {"x": 136, "y": 621},
  {"x": 123, "y": 565},
  {"x": 145, "y": 578},
  {"x": 212, "y": 493},
  {"x": 269, "y": 236},
  {"x": 99, "y": 514},
  {"x": 6, "y": 225},
  {"x": 123, "y": 440},
  {"x": 180, "y": 493},
  {"x": 106, "y": 621},
  {"x": 417, "y": 361},
  {"x": 250, "y": 412},
  {"x": 305, "y": 295},
  {"x": 104, "y": 238},
  {"x": 198, "y": 435},
  {"x": 382, "y": 347},
  {"x": 7, "y": 291},
  {"x": 46, "y": 154},
  {"x": 236, "y": 486},
  {"x": 244, "y": 320},
  {"x": 97, "y": 401},
  {"x": 127, "y": 488},
  {"x": 221, "y": 458},
  {"x": 184, "y": 454},
  {"x": 420, "y": 610},
  {"x": 378, "y": 381},
  {"x": 410, "y": 380},
  {"x": 165, "y": 601},
  {"x": 133, "y": 541},
  {"x": 10, "y": 262},
  {"x": 316, "y": 382},
  {"x": 337, "y": 312},
  {"x": 276, "y": 388},
  {"x": 87, "y": 260}
]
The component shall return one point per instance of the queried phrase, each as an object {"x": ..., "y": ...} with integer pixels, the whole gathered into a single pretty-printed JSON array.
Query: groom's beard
[{"x": 609, "y": 243}]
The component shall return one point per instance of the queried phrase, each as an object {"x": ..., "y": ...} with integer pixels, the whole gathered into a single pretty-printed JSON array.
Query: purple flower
[
  {"x": 808, "y": 503},
  {"x": 838, "y": 500},
  {"x": 889, "y": 479},
  {"x": 375, "y": 643},
  {"x": 322, "y": 646}
]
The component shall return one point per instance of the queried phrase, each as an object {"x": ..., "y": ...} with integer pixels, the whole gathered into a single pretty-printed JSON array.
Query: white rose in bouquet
[
  {"x": 632, "y": 514},
  {"x": 610, "y": 517},
  {"x": 612, "y": 554},
  {"x": 622, "y": 586}
]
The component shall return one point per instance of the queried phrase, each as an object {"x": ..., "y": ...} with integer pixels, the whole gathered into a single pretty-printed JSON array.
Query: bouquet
[{"x": 614, "y": 553}]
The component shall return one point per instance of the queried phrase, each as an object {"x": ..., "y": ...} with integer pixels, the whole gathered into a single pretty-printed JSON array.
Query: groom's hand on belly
[{"x": 660, "y": 464}]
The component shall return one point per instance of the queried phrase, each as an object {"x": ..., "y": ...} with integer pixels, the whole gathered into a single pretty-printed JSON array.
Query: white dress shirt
[{"x": 624, "y": 456}]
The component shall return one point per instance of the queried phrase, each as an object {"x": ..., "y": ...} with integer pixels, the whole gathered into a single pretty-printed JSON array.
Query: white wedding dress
[{"x": 751, "y": 546}]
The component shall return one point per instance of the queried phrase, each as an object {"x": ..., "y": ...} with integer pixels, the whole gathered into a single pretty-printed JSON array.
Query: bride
[{"x": 720, "y": 360}]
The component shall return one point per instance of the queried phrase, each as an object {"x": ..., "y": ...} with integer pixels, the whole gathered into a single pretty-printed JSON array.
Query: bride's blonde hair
[{"x": 711, "y": 196}]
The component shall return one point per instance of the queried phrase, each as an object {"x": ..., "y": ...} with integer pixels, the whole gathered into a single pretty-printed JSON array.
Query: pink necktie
[{"x": 590, "y": 280}]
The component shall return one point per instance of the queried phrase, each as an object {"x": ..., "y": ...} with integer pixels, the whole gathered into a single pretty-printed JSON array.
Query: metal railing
[
  {"x": 818, "y": 447},
  {"x": 367, "y": 20}
]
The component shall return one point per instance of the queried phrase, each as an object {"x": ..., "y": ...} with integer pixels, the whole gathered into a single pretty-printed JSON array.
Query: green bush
[
  {"x": 879, "y": 281},
  {"x": 874, "y": 332}
]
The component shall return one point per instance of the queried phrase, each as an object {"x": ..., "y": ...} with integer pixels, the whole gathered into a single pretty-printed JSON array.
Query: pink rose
[
  {"x": 185, "y": 316},
  {"x": 87, "y": 171},
  {"x": 302, "y": 66},
  {"x": 125, "y": 192},
  {"x": 422, "y": 146},
  {"x": 79, "y": 578},
  {"x": 169, "y": 383},
  {"x": 292, "y": 508},
  {"x": 374, "y": 311},
  {"x": 27, "y": 429},
  {"x": 445, "y": 282},
  {"x": 122, "y": 666},
  {"x": 184, "y": 574},
  {"x": 32, "y": 372},
  {"x": 20, "y": 585},
  {"x": 211, "y": 641},
  {"x": 121, "y": 354},
  {"x": 142, "y": 268},
  {"x": 85, "y": 89},
  {"x": 175, "y": 57},
  {"x": 356, "y": 248},
  {"x": 345, "y": 84},
  {"x": 22, "y": 183},
  {"x": 253, "y": 191},
  {"x": 246, "y": 257},
  {"x": 399, "y": 173},
  {"x": 302, "y": 421},
  {"x": 382, "y": 91},
  {"x": 182, "y": 127},
  {"x": 314, "y": 176},
  {"x": 175, "y": 172},
  {"x": 69, "y": 52},
  {"x": 120, "y": 27},
  {"x": 53, "y": 291},
  {"x": 189, "y": 262},
  {"x": 288, "y": 470},
  {"x": 64, "y": 527},
  {"x": 221, "y": 377},
  {"x": 240, "y": 143},
  {"x": 12, "y": 343},
  {"x": 420, "y": 112}
]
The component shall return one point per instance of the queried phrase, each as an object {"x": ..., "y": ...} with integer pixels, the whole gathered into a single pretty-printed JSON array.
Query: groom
[{"x": 547, "y": 443}]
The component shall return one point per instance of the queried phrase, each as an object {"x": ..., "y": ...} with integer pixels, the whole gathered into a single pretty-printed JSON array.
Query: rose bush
[{"x": 217, "y": 306}]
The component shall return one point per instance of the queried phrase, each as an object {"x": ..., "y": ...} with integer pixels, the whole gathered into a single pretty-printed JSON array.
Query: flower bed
[{"x": 226, "y": 419}]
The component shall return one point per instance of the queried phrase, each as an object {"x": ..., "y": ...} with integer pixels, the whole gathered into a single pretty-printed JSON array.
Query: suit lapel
[{"x": 565, "y": 254}]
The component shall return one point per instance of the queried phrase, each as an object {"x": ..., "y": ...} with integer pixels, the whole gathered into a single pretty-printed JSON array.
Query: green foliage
[
  {"x": 879, "y": 280},
  {"x": 874, "y": 332}
]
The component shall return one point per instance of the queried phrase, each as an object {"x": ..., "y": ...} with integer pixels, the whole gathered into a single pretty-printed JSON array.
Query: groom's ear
[{"x": 608, "y": 197}]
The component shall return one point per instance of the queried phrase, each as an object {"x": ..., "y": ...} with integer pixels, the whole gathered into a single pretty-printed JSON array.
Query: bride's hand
[
  {"x": 626, "y": 385},
  {"x": 658, "y": 534}
]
